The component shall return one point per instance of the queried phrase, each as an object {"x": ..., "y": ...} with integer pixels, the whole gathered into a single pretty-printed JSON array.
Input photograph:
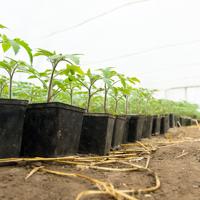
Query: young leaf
[
  {"x": 5, "y": 43},
  {"x": 15, "y": 46},
  {"x": 74, "y": 58},
  {"x": 26, "y": 47},
  {"x": 43, "y": 52},
  {"x": 133, "y": 80},
  {"x": 3, "y": 64},
  {"x": 2, "y": 26}
]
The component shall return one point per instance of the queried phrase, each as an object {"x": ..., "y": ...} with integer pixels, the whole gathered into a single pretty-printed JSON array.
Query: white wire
[{"x": 86, "y": 21}]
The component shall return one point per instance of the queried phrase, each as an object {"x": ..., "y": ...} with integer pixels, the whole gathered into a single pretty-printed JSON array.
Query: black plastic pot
[
  {"x": 51, "y": 129},
  {"x": 11, "y": 126},
  {"x": 175, "y": 120},
  {"x": 118, "y": 131},
  {"x": 147, "y": 128},
  {"x": 171, "y": 120},
  {"x": 134, "y": 128},
  {"x": 188, "y": 121},
  {"x": 164, "y": 126},
  {"x": 126, "y": 130},
  {"x": 97, "y": 132},
  {"x": 156, "y": 125},
  {"x": 183, "y": 121}
]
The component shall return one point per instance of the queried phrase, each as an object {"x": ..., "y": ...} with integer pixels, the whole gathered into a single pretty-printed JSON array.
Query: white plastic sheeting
[{"x": 156, "y": 40}]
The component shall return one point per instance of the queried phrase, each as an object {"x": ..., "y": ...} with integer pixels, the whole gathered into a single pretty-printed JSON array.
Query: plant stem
[
  {"x": 10, "y": 87},
  {"x": 50, "y": 83},
  {"x": 126, "y": 109},
  {"x": 71, "y": 97},
  {"x": 105, "y": 98},
  {"x": 89, "y": 99}
]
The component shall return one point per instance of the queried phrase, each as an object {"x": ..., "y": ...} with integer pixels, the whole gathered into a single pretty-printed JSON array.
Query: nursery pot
[
  {"x": 11, "y": 126},
  {"x": 97, "y": 132},
  {"x": 134, "y": 128},
  {"x": 183, "y": 121},
  {"x": 118, "y": 131},
  {"x": 126, "y": 130},
  {"x": 51, "y": 130},
  {"x": 156, "y": 125},
  {"x": 188, "y": 121},
  {"x": 147, "y": 128},
  {"x": 164, "y": 125},
  {"x": 175, "y": 120},
  {"x": 171, "y": 120}
]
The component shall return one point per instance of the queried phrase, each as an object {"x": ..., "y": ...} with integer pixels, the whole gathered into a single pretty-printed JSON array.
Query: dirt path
[{"x": 177, "y": 163}]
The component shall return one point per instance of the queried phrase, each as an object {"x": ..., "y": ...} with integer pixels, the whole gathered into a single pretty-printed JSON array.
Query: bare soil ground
[{"x": 176, "y": 161}]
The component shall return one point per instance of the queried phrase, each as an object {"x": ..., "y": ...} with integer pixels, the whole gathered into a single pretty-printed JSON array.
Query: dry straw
[{"x": 118, "y": 161}]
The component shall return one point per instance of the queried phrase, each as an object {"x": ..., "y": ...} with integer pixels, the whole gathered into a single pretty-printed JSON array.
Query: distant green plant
[
  {"x": 70, "y": 82},
  {"x": 3, "y": 85},
  {"x": 127, "y": 88},
  {"x": 88, "y": 81},
  {"x": 11, "y": 66},
  {"x": 28, "y": 91},
  {"x": 117, "y": 95},
  {"x": 108, "y": 76}
]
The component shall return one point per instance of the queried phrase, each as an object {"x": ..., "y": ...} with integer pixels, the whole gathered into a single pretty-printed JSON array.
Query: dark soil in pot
[
  {"x": 97, "y": 132},
  {"x": 164, "y": 126},
  {"x": 12, "y": 114},
  {"x": 156, "y": 125},
  {"x": 147, "y": 128},
  {"x": 171, "y": 120},
  {"x": 51, "y": 130},
  {"x": 134, "y": 128},
  {"x": 118, "y": 131}
]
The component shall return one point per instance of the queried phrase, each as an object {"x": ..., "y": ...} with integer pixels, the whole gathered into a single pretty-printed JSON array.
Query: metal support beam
[
  {"x": 185, "y": 88},
  {"x": 186, "y": 93}
]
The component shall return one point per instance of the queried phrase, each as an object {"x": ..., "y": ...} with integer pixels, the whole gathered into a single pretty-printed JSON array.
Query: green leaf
[
  {"x": 122, "y": 79},
  {"x": 2, "y": 26},
  {"x": 60, "y": 84},
  {"x": 74, "y": 69},
  {"x": 15, "y": 46},
  {"x": 88, "y": 73},
  {"x": 3, "y": 64},
  {"x": 73, "y": 57},
  {"x": 5, "y": 43},
  {"x": 43, "y": 52},
  {"x": 133, "y": 80},
  {"x": 32, "y": 77},
  {"x": 5, "y": 46},
  {"x": 26, "y": 47}
]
